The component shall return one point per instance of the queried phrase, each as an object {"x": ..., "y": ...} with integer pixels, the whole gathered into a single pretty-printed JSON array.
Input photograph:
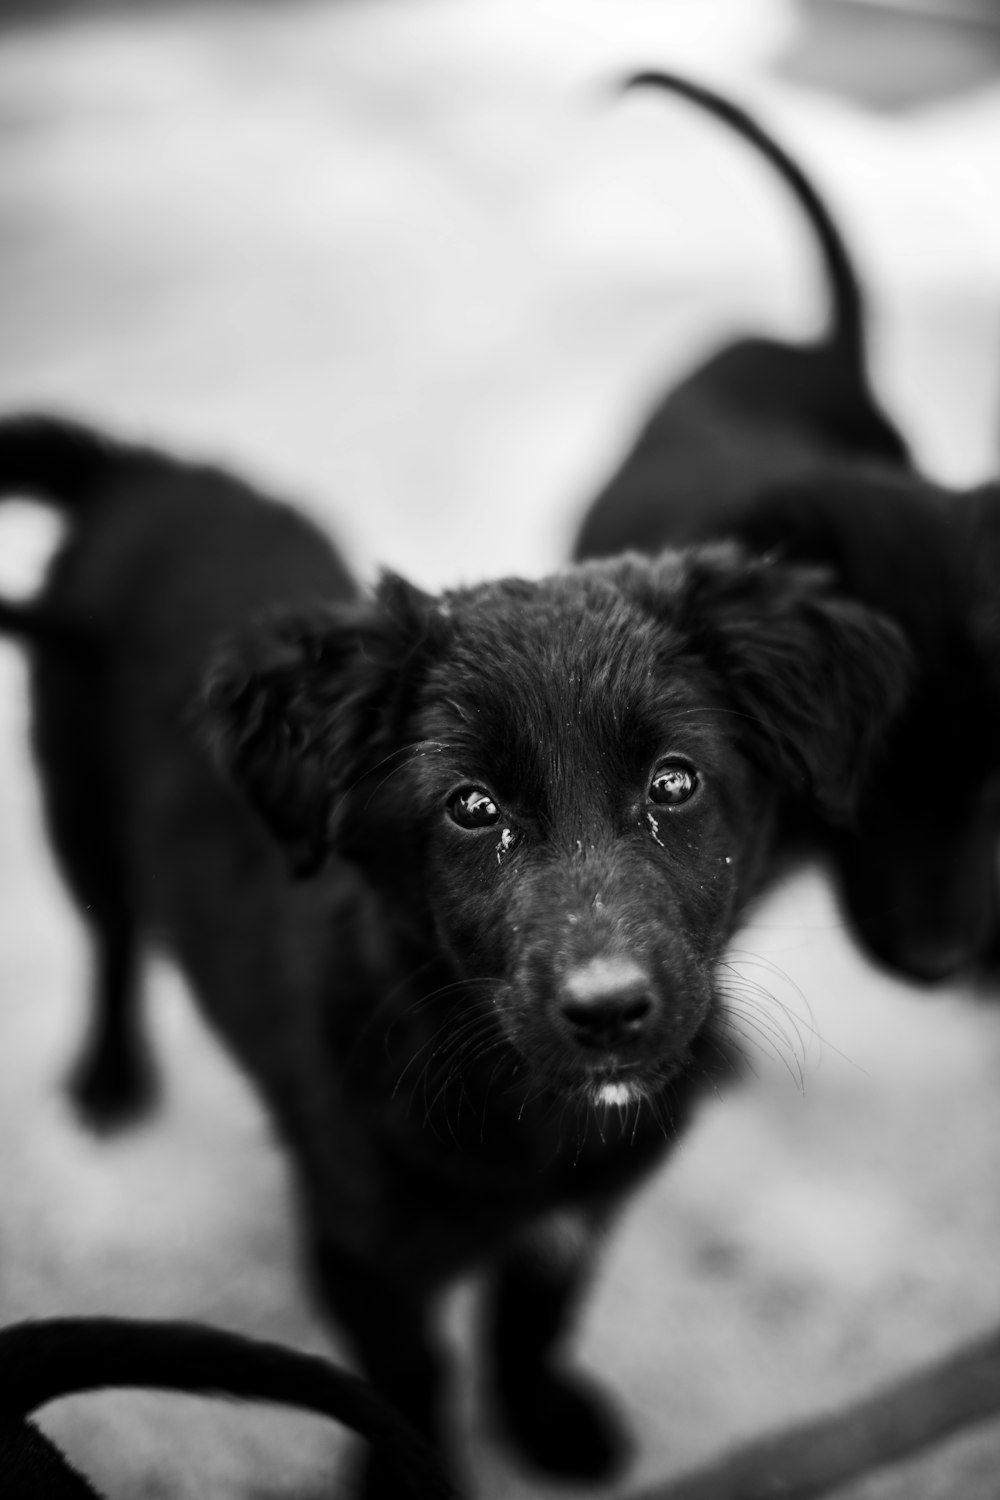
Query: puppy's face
[
  {"x": 565, "y": 787},
  {"x": 586, "y": 817}
]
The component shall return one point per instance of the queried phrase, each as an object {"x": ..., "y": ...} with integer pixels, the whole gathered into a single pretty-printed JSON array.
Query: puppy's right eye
[{"x": 471, "y": 807}]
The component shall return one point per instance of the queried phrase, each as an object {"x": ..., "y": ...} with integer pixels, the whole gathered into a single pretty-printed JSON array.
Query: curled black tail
[
  {"x": 53, "y": 459},
  {"x": 42, "y": 1361},
  {"x": 62, "y": 463},
  {"x": 847, "y": 321}
]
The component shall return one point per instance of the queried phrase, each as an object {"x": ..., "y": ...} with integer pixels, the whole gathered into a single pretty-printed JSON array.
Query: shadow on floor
[{"x": 891, "y": 60}]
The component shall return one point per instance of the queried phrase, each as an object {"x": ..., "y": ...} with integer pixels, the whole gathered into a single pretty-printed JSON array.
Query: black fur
[
  {"x": 784, "y": 448},
  {"x": 474, "y": 1039},
  {"x": 49, "y": 1359}
]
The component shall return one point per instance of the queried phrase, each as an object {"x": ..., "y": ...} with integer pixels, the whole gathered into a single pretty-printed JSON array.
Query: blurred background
[{"x": 415, "y": 264}]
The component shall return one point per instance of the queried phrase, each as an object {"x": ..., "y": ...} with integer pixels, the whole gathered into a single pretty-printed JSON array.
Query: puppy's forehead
[
  {"x": 564, "y": 629},
  {"x": 536, "y": 678}
]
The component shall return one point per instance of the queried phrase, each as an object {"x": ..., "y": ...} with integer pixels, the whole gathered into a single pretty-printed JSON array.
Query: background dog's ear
[
  {"x": 819, "y": 676},
  {"x": 299, "y": 706}
]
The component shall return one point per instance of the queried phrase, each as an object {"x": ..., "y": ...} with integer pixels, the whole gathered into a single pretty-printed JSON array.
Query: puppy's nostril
[
  {"x": 635, "y": 1010},
  {"x": 606, "y": 1001},
  {"x": 607, "y": 1021}
]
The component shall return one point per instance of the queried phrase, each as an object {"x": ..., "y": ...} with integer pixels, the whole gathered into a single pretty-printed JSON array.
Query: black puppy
[
  {"x": 47, "y": 1360},
  {"x": 530, "y": 814},
  {"x": 784, "y": 448}
]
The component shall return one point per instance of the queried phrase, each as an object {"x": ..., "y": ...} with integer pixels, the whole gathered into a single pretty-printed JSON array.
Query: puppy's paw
[
  {"x": 112, "y": 1089},
  {"x": 564, "y": 1426}
]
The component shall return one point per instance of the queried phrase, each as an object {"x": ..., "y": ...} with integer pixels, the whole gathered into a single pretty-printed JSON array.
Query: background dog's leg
[
  {"x": 390, "y": 1328},
  {"x": 558, "y": 1419},
  {"x": 113, "y": 1080}
]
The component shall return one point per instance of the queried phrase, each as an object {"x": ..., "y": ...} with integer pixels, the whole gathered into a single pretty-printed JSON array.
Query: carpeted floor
[{"x": 414, "y": 263}]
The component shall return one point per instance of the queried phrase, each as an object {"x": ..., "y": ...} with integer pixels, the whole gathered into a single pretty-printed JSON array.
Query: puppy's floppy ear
[
  {"x": 301, "y": 704},
  {"x": 820, "y": 677}
]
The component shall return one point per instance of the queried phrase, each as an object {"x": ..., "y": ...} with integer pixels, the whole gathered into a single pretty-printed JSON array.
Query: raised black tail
[
  {"x": 847, "y": 320},
  {"x": 45, "y": 1360}
]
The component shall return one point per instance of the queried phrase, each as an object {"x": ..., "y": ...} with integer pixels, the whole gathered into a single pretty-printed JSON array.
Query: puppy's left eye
[
  {"x": 471, "y": 807},
  {"x": 674, "y": 782}
]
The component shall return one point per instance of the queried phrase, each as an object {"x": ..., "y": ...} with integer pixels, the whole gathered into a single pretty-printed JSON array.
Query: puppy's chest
[{"x": 444, "y": 1206}]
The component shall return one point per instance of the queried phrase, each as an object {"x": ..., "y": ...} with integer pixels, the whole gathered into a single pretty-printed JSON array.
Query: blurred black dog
[
  {"x": 530, "y": 814},
  {"x": 48, "y": 1359},
  {"x": 785, "y": 448}
]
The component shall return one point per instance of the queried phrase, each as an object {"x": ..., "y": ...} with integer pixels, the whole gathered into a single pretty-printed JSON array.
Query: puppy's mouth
[
  {"x": 616, "y": 1092},
  {"x": 616, "y": 1088}
]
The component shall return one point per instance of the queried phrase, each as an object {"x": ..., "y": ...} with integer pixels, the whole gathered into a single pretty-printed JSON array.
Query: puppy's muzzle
[{"x": 607, "y": 1004}]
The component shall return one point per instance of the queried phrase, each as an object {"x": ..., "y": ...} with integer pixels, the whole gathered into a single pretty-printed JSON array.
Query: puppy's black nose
[{"x": 607, "y": 1002}]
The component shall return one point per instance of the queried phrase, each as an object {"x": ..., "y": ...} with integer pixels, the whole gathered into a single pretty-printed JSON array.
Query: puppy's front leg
[
  {"x": 562, "y": 1423},
  {"x": 390, "y": 1327}
]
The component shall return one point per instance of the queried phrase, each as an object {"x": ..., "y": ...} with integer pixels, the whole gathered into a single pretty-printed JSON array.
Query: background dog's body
[
  {"x": 785, "y": 448},
  {"x": 532, "y": 814},
  {"x": 757, "y": 412}
]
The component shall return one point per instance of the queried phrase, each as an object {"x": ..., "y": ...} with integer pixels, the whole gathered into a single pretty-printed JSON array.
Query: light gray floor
[{"x": 411, "y": 262}]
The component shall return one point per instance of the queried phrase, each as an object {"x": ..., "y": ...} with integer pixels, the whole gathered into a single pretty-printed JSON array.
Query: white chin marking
[{"x": 615, "y": 1092}]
